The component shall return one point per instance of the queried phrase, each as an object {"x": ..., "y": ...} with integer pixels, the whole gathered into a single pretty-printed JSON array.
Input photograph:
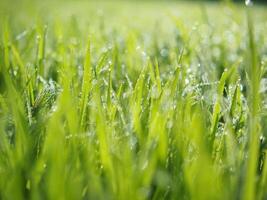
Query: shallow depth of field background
[{"x": 133, "y": 99}]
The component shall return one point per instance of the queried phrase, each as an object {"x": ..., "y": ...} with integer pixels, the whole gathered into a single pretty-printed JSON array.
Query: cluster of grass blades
[{"x": 156, "y": 108}]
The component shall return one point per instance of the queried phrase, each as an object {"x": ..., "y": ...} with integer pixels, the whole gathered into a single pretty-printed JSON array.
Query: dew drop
[
  {"x": 144, "y": 54},
  {"x": 145, "y": 165},
  {"x": 170, "y": 124},
  {"x": 263, "y": 85},
  {"x": 154, "y": 92},
  {"x": 164, "y": 52},
  {"x": 186, "y": 81}
]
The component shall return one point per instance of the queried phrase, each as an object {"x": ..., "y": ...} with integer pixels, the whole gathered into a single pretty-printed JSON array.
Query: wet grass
[{"x": 126, "y": 100}]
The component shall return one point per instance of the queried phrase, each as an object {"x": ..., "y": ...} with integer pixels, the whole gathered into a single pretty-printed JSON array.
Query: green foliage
[{"x": 165, "y": 103}]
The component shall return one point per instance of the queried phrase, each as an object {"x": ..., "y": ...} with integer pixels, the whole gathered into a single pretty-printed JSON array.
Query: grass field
[{"x": 133, "y": 100}]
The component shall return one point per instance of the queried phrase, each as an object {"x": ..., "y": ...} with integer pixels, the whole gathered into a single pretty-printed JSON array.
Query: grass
[{"x": 126, "y": 100}]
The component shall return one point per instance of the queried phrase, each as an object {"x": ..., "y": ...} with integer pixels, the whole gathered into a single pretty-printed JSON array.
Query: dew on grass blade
[
  {"x": 137, "y": 109},
  {"x": 164, "y": 52}
]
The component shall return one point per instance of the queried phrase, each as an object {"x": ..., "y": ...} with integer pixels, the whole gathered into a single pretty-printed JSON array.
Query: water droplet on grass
[
  {"x": 155, "y": 92},
  {"x": 145, "y": 165},
  {"x": 21, "y": 35},
  {"x": 169, "y": 124},
  {"x": 186, "y": 81},
  {"x": 144, "y": 54},
  {"x": 263, "y": 85},
  {"x": 164, "y": 52}
]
